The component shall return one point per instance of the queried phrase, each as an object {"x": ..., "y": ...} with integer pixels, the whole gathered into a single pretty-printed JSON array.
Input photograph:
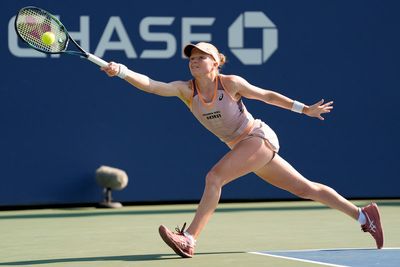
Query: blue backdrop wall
[{"x": 61, "y": 118}]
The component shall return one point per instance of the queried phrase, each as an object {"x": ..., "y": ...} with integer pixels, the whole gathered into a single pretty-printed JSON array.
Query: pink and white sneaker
[
  {"x": 373, "y": 224},
  {"x": 181, "y": 244}
]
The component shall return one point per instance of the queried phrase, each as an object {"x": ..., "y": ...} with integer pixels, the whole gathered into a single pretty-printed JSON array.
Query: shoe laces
[
  {"x": 184, "y": 241},
  {"x": 182, "y": 230}
]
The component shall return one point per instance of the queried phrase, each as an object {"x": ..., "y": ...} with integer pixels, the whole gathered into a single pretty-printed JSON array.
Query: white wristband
[
  {"x": 123, "y": 71},
  {"x": 298, "y": 107}
]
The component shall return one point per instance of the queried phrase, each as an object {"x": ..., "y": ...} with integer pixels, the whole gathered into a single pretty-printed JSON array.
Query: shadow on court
[{"x": 136, "y": 258}]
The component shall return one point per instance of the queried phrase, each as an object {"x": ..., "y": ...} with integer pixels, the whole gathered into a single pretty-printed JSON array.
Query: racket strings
[{"x": 31, "y": 24}]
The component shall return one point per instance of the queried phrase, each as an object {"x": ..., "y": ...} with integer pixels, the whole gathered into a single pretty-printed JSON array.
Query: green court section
[{"x": 129, "y": 236}]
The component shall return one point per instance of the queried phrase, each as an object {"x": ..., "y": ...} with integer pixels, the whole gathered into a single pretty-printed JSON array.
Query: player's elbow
[
  {"x": 151, "y": 87},
  {"x": 267, "y": 97}
]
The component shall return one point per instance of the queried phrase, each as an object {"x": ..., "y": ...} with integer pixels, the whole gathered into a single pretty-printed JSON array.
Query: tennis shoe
[
  {"x": 181, "y": 244},
  {"x": 373, "y": 224}
]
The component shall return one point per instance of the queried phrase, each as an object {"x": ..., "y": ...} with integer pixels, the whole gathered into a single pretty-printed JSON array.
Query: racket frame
[{"x": 98, "y": 61}]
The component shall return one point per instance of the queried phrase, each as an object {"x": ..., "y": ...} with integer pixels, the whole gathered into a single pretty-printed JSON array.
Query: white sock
[
  {"x": 361, "y": 217},
  {"x": 191, "y": 238}
]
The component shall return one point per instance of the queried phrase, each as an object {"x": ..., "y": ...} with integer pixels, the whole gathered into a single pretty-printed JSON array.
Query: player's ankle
[
  {"x": 191, "y": 238},
  {"x": 361, "y": 217}
]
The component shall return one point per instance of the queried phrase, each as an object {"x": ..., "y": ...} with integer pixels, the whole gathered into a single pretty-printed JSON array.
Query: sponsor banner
[{"x": 61, "y": 118}]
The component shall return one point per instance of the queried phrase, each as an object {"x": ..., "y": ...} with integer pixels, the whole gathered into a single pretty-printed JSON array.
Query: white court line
[
  {"x": 312, "y": 250},
  {"x": 325, "y": 249},
  {"x": 298, "y": 259}
]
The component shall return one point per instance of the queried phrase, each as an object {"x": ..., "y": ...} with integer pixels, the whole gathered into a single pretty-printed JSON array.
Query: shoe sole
[
  {"x": 380, "y": 224},
  {"x": 163, "y": 233}
]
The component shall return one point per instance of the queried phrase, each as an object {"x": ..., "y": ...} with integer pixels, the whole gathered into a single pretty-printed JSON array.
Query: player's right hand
[{"x": 111, "y": 69}]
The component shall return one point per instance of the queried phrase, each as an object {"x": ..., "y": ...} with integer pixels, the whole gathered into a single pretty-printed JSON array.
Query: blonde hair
[{"x": 222, "y": 59}]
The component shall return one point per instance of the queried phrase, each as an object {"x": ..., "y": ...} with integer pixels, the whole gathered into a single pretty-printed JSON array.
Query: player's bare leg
[
  {"x": 246, "y": 157},
  {"x": 281, "y": 174}
]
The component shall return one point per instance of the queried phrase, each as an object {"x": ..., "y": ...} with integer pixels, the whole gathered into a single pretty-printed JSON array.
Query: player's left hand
[{"x": 318, "y": 109}]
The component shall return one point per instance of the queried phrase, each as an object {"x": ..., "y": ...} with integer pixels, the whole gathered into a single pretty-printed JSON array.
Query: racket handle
[{"x": 96, "y": 60}]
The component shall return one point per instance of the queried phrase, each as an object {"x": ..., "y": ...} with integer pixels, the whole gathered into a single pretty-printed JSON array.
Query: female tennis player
[{"x": 216, "y": 101}]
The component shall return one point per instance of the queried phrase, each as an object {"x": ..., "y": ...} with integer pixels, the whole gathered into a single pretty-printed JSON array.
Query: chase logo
[
  {"x": 236, "y": 33},
  {"x": 169, "y": 42}
]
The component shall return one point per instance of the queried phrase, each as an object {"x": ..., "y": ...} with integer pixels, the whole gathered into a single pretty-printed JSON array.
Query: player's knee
[{"x": 214, "y": 179}]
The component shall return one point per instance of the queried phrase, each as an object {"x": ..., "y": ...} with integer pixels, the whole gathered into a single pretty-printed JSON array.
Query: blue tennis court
[{"x": 355, "y": 257}]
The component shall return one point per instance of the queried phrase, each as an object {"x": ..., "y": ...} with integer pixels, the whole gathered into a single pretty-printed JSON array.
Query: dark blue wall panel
[{"x": 61, "y": 118}]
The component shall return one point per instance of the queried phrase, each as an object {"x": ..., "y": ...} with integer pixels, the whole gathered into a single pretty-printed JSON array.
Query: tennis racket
[{"x": 44, "y": 32}]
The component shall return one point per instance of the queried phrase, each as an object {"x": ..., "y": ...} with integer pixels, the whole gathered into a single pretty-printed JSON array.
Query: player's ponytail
[{"x": 222, "y": 60}]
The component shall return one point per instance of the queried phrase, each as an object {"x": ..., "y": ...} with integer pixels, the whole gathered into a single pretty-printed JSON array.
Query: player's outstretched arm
[
  {"x": 143, "y": 82},
  {"x": 248, "y": 90}
]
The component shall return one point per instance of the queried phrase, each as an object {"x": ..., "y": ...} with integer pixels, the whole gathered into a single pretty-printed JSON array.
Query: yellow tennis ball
[{"x": 48, "y": 38}]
